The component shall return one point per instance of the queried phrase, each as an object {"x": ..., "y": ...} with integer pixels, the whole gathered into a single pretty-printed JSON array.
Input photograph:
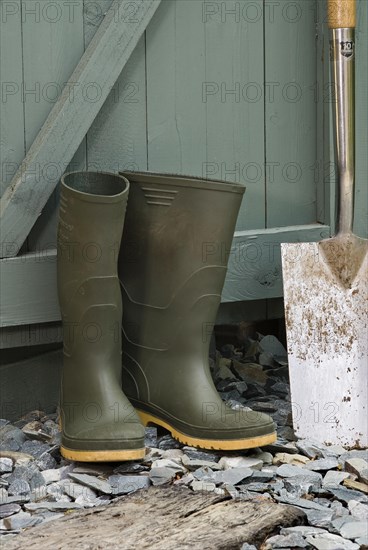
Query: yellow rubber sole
[
  {"x": 103, "y": 456},
  {"x": 214, "y": 444}
]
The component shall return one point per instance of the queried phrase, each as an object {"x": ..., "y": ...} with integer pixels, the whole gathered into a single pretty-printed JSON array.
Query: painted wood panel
[
  {"x": 235, "y": 117},
  {"x": 176, "y": 115},
  {"x": 28, "y": 293},
  {"x": 12, "y": 148},
  {"x": 52, "y": 47},
  {"x": 210, "y": 90},
  {"x": 322, "y": 169},
  {"x": 254, "y": 269},
  {"x": 361, "y": 195},
  {"x": 24, "y": 336},
  {"x": 70, "y": 119},
  {"x": 117, "y": 139},
  {"x": 291, "y": 123},
  {"x": 204, "y": 62}
]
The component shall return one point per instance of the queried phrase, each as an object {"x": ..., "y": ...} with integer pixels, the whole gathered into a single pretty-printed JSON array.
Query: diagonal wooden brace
[{"x": 70, "y": 119}]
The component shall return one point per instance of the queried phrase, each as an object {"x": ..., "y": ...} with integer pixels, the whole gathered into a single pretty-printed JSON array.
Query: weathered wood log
[{"x": 164, "y": 519}]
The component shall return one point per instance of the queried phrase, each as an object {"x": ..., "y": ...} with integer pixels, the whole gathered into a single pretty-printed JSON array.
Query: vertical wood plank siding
[
  {"x": 117, "y": 138},
  {"x": 291, "y": 124},
  {"x": 12, "y": 146},
  {"x": 228, "y": 89},
  {"x": 52, "y": 47},
  {"x": 361, "y": 197}
]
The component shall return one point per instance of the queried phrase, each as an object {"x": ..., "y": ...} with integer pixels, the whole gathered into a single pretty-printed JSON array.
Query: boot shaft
[
  {"x": 175, "y": 228},
  {"x": 177, "y": 237},
  {"x": 91, "y": 219},
  {"x": 92, "y": 209}
]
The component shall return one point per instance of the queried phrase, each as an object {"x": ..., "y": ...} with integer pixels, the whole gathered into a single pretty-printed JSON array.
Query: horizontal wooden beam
[
  {"x": 254, "y": 268},
  {"x": 26, "y": 336},
  {"x": 28, "y": 292},
  {"x": 70, "y": 119}
]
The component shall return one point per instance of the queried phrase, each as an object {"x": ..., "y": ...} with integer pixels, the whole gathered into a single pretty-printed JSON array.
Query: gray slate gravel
[{"x": 38, "y": 485}]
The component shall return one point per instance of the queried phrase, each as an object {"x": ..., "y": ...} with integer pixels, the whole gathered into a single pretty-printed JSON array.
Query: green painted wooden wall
[{"x": 230, "y": 89}]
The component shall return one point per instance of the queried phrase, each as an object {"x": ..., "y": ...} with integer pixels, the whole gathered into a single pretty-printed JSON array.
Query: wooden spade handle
[{"x": 341, "y": 14}]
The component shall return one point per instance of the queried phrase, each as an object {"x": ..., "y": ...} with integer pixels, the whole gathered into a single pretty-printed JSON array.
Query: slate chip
[
  {"x": 8, "y": 510},
  {"x": 196, "y": 454},
  {"x": 35, "y": 448},
  {"x": 290, "y": 470},
  {"x": 310, "y": 448},
  {"x": 333, "y": 478},
  {"x": 320, "y": 518},
  {"x": 92, "y": 482},
  {"x": 123, "y": 485},
  {"x": 20, "y": 521},
  {"x": 288, "y": 498},
  {"x": 345, "y": 495},
  {"x": 329, "y": 541},
  {"x": 161, "y": 476},
  {"x": 233, "y": 476},
  {"x": 11, "y": 438},
  {"x": 168, "y": 442},
  {"x": 19, "y": 487},
  {"x": 354, "y": 529},
  {"x": 6, "y": 465},
  {"x": 322, "y": 464},
  {"x": 291, "y": 540}
]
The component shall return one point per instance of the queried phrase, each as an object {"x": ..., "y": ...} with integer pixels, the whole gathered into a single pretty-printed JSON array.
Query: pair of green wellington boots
[{"x": 138, "y": 307}]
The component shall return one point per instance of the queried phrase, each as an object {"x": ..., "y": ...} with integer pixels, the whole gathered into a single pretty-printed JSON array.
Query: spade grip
[{"x": 341, "y": 14}]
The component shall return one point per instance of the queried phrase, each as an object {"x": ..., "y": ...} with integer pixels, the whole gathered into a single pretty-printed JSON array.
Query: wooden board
[
  {"x": 116, "y": 140},
  {"x": 164, "y": 518},
  {"x": 52, "y": 46},
  {"x": 254, "y": 269},
  {"x": 290, "y": 112},
  {"x": 69, "y": 120},
  {"x": 196, "y": 125},
  {"x": 176, "y": 122},
  {"x": 25, "y": 336},
  {"x": 235, "y": 115},
  {"x": 179, "y": 124},
  {"x": 361, "y": 194},
  {"x": 12, "y": 147},
  {"x": 28, "y": 293},
  {"x": 322, "y": 91}
]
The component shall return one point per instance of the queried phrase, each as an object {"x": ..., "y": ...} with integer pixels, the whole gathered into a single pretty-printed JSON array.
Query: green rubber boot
[
  {"x": 98, "y": 422},
  {"x": 173, "y": 261}
]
